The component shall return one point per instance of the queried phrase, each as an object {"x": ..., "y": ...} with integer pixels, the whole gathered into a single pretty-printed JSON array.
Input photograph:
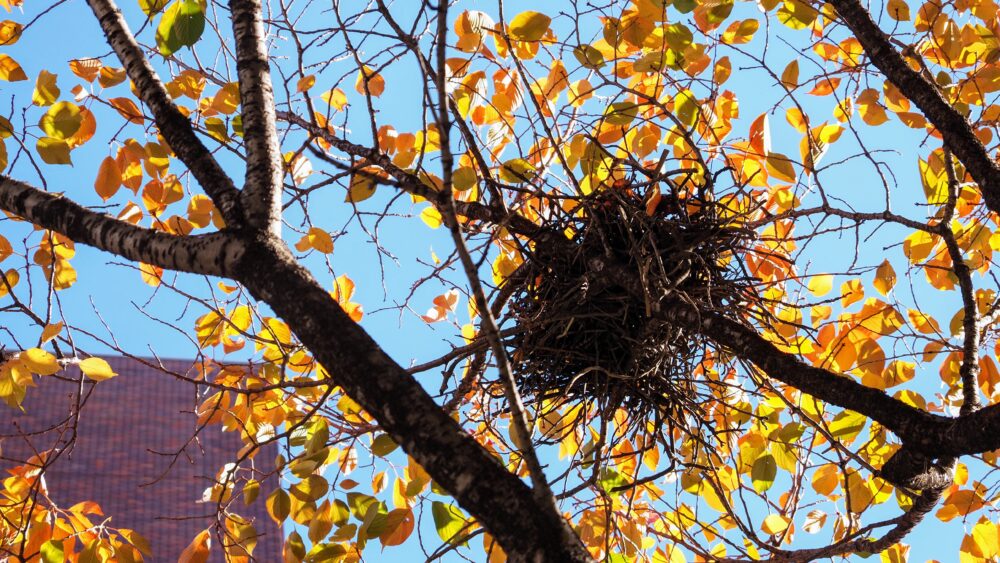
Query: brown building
[{"x": 123, "y": 458}]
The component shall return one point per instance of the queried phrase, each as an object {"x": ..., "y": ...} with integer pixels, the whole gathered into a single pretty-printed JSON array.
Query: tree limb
[
  {"x": 499, "y": 500},
  {"x": 212, "y": 254},
  {"x": 261, "y": 197}
]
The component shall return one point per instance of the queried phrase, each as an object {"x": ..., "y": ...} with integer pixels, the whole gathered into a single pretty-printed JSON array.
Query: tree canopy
[{"x": 714, "y": 279}]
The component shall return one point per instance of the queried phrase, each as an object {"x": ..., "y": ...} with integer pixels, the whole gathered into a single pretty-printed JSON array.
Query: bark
[
  {"x": 954, "y": 128},
  {"x": 175, "y": 128},
  {"x": 261, "y": 196},
  {"x": 211, "y": 254},
  {"x": 499, "y": 500}
]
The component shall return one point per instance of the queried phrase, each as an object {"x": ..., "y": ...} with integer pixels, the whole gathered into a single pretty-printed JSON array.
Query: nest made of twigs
[{"x": 584, "y": 337}]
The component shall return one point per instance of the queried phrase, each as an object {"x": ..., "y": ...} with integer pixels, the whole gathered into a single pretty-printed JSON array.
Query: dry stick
[
  {"x": 518, "y": 417},
  {"x": 175, "y": 127}
]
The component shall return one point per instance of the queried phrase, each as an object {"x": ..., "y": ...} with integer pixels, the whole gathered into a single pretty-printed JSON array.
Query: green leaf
[
  {"x": 611, "y": 479},
  {"x": 686, "y": 108},
  {"x": 181, "y": 26},
  {"x": 763, "y": 472},
  {"x": 52, "y": 551},
  {"x": 448, "y": 520},
  {"x": 517, "y": 170},
  {"x": 589, "y": 56},
  {"x": 847, "y": 425}
]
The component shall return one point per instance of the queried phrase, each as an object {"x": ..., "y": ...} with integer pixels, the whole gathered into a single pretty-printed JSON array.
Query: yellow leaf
[
  {"x": 960, "y": 503},
  {"x": 898, "y": 372},
  {"x": 826, "y": 479},
  {"x": 305, "y": 83},
  {"x": 11, "y": 277},
  {"x": 740, "y": 32},
  {"x": 885, "y": 277},
  {"x": 529, "y": 26},
  {"x": 197, "y": 551},
  {"x": 127, "y": 109},
  {"x": 897, "y": 553},
  {"x": 464, "y": 178},
  {"x": 870, "y": 109},
  {"x": 821, "y": 285},
  {"x": 53, "y": 151},
  {"x": 51, "y": 331},
  {"x": 109, "y": 179},
  {"x": 898, "y": 10},
  {"x": 336, "y": 98},
  {"x": 851, "y": 292},
  {"x": 46, "y": 91},
  {"x": 97, "y": 369},
  {"x": 151, "y": 275},
  {"x": 39, "y": 361},
  {"x": 918, "y": 246},
  {"x": 10, "y": 70},
  {"x": 774, "y": 524},
  {"x": 61, "y": 120},
  {"x": 431, "y": 216},
  {"x": 317, "y": 239},
  {"x": 362, "y": 187},
  {"x": 780, "y": 167}
]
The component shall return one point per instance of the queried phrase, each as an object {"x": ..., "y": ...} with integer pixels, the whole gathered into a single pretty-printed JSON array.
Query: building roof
[{"x": 139, "y": 454}]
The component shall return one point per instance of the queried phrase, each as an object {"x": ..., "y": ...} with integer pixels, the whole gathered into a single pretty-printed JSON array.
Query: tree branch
[
  {"x": 174, "y": 126},
  {"x": 955, "y": 129},
  {"x": 499, "y": 500},
  {"x": 213, "y": 254},
  {"x": 261, "y": 197}
]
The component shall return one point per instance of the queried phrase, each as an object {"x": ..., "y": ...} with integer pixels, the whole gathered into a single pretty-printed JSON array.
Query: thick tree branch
[
  {"x": 955, "y": 129},
  {"x": 499, "y": 500},
  {"x": 478, "y": 481},
  {"x": 261, "y": 197},
  {"x": 173, "y": 125},
  {"x": 212, "y": 254}
]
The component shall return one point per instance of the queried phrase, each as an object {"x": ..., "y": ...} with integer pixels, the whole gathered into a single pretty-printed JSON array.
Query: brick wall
[{"x": 115, "y": 463}]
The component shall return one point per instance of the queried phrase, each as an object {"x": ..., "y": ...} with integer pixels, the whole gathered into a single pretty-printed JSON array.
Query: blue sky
[{"x": 130, "y": 311}]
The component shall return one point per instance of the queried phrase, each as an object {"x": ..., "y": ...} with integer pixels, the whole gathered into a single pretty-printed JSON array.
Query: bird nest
[{"x": 584, "y": 337}]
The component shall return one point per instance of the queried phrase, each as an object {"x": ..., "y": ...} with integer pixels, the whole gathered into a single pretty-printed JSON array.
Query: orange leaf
[
  {"x": 109, "y": 179},
  {"x": 197, "y": 551}
]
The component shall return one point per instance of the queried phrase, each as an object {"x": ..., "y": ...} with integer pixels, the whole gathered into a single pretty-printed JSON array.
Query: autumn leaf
[
  {"x": 96, "y": 369},
  {"x": 39, "y": 361},
  {"x": 198, "y": 550},
  {"x": 529, "y": 26},
  {"x": 46, "y": 92},
  {"x": 10, "y": 70}
]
